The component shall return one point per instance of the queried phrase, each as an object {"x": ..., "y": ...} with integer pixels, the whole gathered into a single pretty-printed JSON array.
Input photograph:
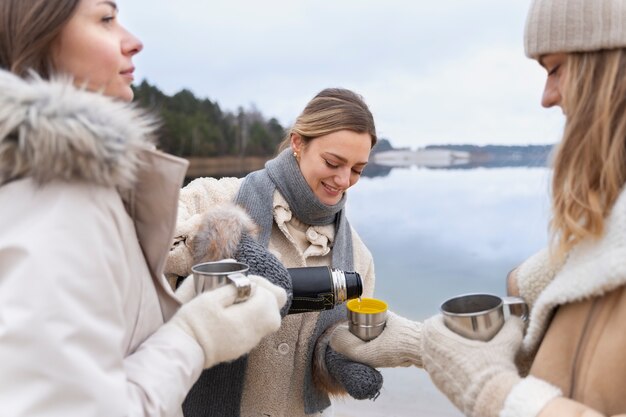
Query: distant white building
[{"x": 421, "y": 157}]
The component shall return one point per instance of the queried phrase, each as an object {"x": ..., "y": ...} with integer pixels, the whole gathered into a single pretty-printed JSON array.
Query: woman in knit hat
[{"x": 571, "y": 360}]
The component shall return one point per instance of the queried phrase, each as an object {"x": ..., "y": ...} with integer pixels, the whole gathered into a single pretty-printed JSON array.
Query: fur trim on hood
[{"x": 51, "y": 130}]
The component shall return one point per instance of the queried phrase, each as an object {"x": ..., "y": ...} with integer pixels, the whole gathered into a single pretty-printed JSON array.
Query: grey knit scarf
[
  {"x": 256, "y": 196},
  {"x": 283, "y": 173}
]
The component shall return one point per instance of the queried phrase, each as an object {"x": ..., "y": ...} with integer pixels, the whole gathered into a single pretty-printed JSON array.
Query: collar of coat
[
  {"x": 51, "y": 130},
  {"x": 593, "y": 268}
]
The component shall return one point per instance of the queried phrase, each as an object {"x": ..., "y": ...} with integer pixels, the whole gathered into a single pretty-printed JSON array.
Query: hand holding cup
[
  {"x": 480, "y": 316},
  {"x": 208, "y": 276}
]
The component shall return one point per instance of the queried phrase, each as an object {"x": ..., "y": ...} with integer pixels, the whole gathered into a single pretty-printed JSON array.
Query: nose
[
  {"x": 131, "y": 44},
  {"x": 343, "y": 178},
  {"x": 551, "y": 94}
]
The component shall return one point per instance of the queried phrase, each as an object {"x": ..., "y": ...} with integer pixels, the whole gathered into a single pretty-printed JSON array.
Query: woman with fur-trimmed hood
[{"x": 88, "y": 323}]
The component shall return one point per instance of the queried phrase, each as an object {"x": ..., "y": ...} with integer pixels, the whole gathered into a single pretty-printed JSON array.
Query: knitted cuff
[{"x": 529, "y": 397}]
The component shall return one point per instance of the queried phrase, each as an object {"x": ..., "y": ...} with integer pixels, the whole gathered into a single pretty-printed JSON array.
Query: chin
[
  {"x": 123, "y": 94},
  {"x": 329, "y": 201}
]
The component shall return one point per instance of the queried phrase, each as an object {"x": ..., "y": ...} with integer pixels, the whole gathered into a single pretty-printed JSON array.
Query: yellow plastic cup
[{"x": 366, "y": 317}]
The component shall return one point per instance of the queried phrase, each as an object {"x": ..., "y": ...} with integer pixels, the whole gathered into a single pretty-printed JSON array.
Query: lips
[
  {"x": 128, "y": 73},
  {"x": 331, "y": 190}
]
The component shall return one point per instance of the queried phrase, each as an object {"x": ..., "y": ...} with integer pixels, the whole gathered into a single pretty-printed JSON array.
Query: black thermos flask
[{"x": 320, "y": 288}]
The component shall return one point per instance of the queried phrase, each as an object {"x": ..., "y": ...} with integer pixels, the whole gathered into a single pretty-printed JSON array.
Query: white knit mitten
[
  {"x": 398, "y": 345},
  {"x": 480, "y": 378},
  {"x": 476, "y": 376},
  {"x": 225, "y": 330}
]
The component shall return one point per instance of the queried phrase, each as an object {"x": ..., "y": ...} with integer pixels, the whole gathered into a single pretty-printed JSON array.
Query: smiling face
[
  {"x": 553, "y": 90},
  {"x": 96, "y": 50},
  {"x": 332, "y": 163}
]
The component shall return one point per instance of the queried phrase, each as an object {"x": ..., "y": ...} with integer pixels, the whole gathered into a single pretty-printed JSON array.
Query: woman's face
[
  {"x": 553, "y": 90},
  {"x": 96, "y": 50},
  {"x": 332, "y": 163}
]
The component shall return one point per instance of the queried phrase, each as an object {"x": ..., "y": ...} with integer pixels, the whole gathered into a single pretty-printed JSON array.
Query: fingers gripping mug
[
  {"x": 480, "y": 316},
  {"x": 210, "y": 275}
]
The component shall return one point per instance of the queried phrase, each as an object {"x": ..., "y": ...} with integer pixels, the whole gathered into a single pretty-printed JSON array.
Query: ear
[{"x": 296, "y": 142}]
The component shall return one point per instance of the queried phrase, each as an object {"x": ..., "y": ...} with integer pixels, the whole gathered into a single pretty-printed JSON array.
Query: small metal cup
[
  {"x": 210, "y": 275},
  {"x": 366, "y": 317},
  {"x": 480, "y": 316}
]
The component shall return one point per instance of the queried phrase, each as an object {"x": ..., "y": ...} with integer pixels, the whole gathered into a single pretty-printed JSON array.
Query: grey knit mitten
[
  {"x": 262, "y": 262},
  {"x": 359, "y": 380}
]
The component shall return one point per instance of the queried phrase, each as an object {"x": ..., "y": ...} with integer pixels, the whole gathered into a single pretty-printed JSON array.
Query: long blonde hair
[
  {"x": 331, "y": 110},
  {"x": 590, "y": 162}
]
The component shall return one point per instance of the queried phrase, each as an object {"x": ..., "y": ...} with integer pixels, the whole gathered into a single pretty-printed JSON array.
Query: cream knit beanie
[{"x": 556, "y": 26}]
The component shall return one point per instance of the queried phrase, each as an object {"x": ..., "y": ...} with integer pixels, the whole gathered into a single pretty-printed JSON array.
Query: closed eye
[{"x": 330, "y": 164}]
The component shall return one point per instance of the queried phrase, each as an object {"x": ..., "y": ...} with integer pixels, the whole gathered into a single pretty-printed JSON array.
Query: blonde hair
[
  {"x": 331, "y": 110},
  {"x": 590, "y": 163},
  {"x": 28, "y": 28}
]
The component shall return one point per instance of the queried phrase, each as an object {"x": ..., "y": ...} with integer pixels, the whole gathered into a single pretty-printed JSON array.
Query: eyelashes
[{"x": 333, "y": 166}]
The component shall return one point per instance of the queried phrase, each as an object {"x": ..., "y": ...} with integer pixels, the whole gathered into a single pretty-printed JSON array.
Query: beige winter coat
[
  {"x": 577, "y": 331},
  {"x": 275, "y": 374},
  {"x": 87, "y": 211}
]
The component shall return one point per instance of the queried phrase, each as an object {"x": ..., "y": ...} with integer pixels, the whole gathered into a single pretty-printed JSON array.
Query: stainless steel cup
[
  {"x": 210, "y": 275},
  {"x": 480, "y": 316},
  {"x": 366, "y": 317}
]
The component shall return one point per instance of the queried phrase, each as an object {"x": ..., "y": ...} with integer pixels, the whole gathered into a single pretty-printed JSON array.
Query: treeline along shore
[
  {"x": 221, "y": 143},
  {"x": 192, "y": 127}
]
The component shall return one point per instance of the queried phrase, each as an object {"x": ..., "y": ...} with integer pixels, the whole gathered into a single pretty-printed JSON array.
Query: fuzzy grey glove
[
  {"x": 361, "y": 381},
  {"x": 337, "y": 374},
  {"x": 263, "y": 262}
]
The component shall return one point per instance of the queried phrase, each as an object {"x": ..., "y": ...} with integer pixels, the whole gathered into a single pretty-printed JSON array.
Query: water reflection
[
  {"x": 435, "y": 233},
  {"x": 384, "y": 157}
]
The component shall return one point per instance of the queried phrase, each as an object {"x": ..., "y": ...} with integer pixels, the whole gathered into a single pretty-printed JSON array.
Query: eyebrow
[
  {"x": 109, "y": 3},
  {"x": 344, "y": 160}
]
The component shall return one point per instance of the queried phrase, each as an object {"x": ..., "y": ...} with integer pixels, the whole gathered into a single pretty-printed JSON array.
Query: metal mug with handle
[
  {"x": 210, "y": 275},
  {"x": 480, "y": 316}
]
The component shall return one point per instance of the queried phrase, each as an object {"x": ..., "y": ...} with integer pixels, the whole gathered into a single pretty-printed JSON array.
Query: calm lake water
[{"x": 435, "y": 234}]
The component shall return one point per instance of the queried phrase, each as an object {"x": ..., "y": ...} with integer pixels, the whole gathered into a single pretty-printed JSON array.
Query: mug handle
[
  {"x": 242, "y": 284},
  {"x": 517, "y": 307}
]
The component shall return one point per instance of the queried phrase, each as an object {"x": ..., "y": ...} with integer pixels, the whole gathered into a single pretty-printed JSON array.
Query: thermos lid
[{"x": 354, "y": 284}]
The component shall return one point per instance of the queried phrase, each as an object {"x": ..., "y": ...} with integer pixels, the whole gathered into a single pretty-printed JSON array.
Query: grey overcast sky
[{"x": 432, "y": 71}]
